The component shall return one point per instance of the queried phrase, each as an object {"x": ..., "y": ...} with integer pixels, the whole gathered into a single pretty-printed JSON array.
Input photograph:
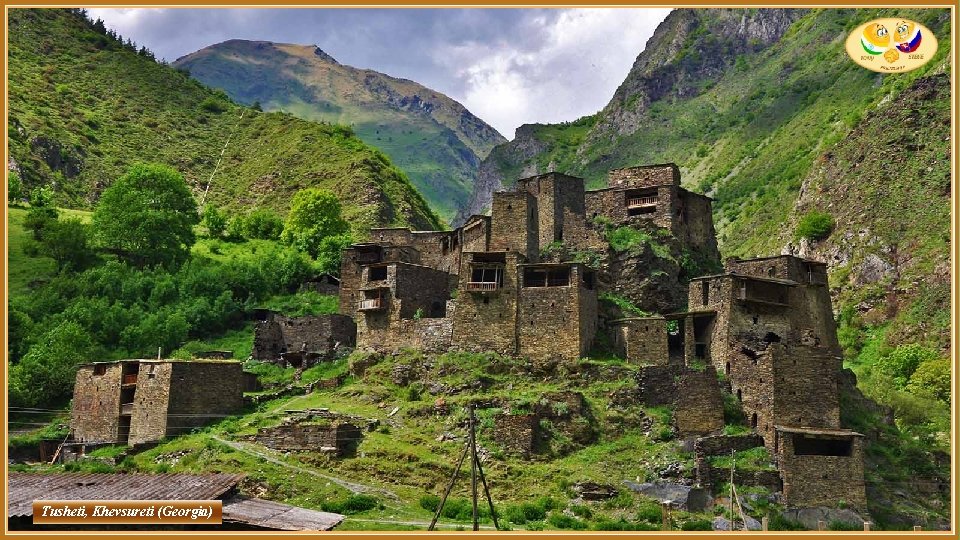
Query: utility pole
[{"x": 476, "y": 470}]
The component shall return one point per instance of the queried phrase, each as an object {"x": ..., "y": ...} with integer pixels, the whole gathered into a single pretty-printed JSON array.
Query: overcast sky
[{"x": 508, "y": 66}]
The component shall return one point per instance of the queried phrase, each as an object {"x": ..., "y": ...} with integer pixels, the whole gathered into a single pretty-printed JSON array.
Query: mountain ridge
[{"x": 435, "y": 139}]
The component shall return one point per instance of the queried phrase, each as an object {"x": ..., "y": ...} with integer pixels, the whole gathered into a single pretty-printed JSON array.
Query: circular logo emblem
[{"x": 891, "y": 45}]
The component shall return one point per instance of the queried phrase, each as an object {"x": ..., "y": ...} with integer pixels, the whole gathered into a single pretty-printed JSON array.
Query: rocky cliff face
[{"x": 431, "y": 137}]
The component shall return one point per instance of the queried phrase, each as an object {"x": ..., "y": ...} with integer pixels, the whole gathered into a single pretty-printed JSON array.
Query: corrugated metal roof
[
  {"x": 24, "y": 488},
  {"x": 278, "y": 516}
]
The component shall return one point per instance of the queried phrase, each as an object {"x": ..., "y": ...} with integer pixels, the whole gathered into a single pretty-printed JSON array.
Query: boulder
[
  {"x": 809, "y": 517},
  {"x": 688, "y": 498}
]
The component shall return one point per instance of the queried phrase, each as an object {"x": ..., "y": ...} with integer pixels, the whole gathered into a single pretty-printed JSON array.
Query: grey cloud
[{"x": 444, "y": 49}]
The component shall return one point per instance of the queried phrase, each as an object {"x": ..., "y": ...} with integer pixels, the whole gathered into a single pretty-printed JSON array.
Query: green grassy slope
[
  {"x": 83, "y": 108},
  {"x": 431, "y": 137}
]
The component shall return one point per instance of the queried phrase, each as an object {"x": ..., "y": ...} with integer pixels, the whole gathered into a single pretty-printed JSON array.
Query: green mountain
[
  {"x": 757, "y": 106},
  {"x": 434, "y": 139},
  {"x": 84, "y": 106}
]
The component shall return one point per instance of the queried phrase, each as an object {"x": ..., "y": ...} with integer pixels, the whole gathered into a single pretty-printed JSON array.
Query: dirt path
[{"x": 262, "y": 454}]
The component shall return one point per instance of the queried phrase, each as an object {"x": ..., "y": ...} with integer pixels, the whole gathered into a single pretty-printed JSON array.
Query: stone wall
[
  {"x": 199, "y": 389},
  {"x": 698, "y": 407},
  {"x": 96, "y": 403},
  {"x": 475, "y": 234},
  {"x": 642, "y": 340},
  {"x": 556, "y": 321},
  {"x": 339, "y": 438},
  {"x": 695, "y": 226},
  {"x": 487, "y": 320},
  {"x": 514, "y": 224},
  {"x": 822, "y": 480},
  {"x": 722, "y": 445},
  {"x": 658, "y": 384},
  {"x": 153, "y": 403},
  {"x": 353, "y": 262},
  {"x": 320, "y": 334},
  {"x": 645, "y": 176},
  {"x": 516, "y": 433}
]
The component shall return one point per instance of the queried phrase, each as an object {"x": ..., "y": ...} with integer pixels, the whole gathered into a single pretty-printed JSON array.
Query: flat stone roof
[{"x": 818, "y": 431}]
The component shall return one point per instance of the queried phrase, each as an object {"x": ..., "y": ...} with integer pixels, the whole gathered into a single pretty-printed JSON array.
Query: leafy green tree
[
  {"x": 41, "y": 196},
  {"x": 39, "y": 219},
  {"x": 900, "y": 364},
  {"x": 214, "y": 220},
  {"x": 263, "y": 223},
  {"x": 330, "y": 253},
  {"x": 932, "y": 378},
  {"x": 314, "y": 215},
  {"x": 14, "y": 188},
  {"x": 236, "y": 229},
  {"x": 46, "y": 373},
  {"x": 66, "y": 242},
  {"x": 147, "y": 216}
]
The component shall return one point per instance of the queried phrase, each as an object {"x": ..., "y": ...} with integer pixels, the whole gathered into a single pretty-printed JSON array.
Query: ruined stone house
[
  {"x": 300, "y": 341},
  {"x": 140, "y": 401}
]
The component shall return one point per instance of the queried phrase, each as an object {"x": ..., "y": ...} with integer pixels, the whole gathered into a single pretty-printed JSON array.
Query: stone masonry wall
[
  {"x": 337, "y": 437},
  {"x": 476, "y": 234},
  {"x": 645, "y": 176},
  {"x": 322, "y": 334},
  {"x": 150, "y": 420},
  {"x": 548, "y": 322},
  {"x": 698, "y": 408},
  {"x": 514, "y": 224},
  {"x": 96, "y": 404},
  {"x": 199, "y": 389},
  {"x": 815, "y": 480},
  {"x": 642, "y": 340},
  {"x": 516, "y": 433},
  {"x": 487, "y": 321}
]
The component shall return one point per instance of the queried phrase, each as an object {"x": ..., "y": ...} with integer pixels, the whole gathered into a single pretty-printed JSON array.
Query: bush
[
  {"x": 430, "y": 502},
  {"x": 264, "y": 224},
  {"x": 14, "y": 188},
  {"x": 353, "y": 504},
  {"x": 932, "y": 378},
  {"x": 66, "y": 243},
  {"x": 38, "y": 218},
  {"x": 214, "y": 220},
  {"x": 213, "y": 105},
  {"x": 697, "y": 525},
  {"x": 815, "y": 226},
  {"x": 903, "y": 361},
  {"x": 563, "y": 521}
]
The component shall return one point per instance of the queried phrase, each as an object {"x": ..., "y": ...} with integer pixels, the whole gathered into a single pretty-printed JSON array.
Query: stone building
[
  {"x": 301, "y": 341},
  {"x": 486, "y": 285},
  {"x": 140, "y": 401}
]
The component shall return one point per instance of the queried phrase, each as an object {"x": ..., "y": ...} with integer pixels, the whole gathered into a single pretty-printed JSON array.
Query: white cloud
[
  {"x": 508, "y": 66},
  {"x": 572, "y": 72}
]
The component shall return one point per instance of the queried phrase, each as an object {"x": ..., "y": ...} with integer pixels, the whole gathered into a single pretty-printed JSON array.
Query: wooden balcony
[
  {"x": 482, "y": 286},
  {"x": 642, "y": 202},
  {"x": 372, "y": 304}
]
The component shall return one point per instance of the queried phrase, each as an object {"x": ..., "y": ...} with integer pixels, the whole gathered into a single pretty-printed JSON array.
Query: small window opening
[
  {"x": 100, "y": 369},
  {"x": 378, "y": 273},
  {"x": 753, "y": 421},
  {"x": 770, "y": 337},
  {"x": 739, "y": 395},
  {"x": 814, "y": 446}
]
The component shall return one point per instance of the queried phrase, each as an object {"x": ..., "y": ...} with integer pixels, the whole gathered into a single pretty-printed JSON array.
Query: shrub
[
  {"x": 697, "y": 525},
  {"x": 430, "y": 502},
  {"x": 815, "y": 226},
  {"x": 903, "y": 361},
  {"x": 14, "y": 188},
  {"x": 353, "y": 504},
  {"x": 563, "y": 521},
  {"x": 214, "y": 220},
  {"x": 264, "y": 224},
  {"x": 213, "y": 105},
  {"x": 932, "y": 378},
  {"x": 38, "y": 218}
]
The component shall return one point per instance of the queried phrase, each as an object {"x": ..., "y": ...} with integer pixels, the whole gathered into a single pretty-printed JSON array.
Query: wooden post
[
  {"x": 917, "y": 528},
  {"x": 821, "y": 525},
  {"x": 733, "y": 465},
  {"x": 765, "y": 523},
  {"x": 473, "y": 469},
  {"x": 867, "y": 525},
  {"x": 665, "y": 515},
  {"x": 446, "y": 494}
]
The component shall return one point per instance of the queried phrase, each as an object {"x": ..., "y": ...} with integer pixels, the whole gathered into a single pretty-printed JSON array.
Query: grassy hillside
[
  {"x": 431, "y": 137},
  {"x": 84, "y": 107}
]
